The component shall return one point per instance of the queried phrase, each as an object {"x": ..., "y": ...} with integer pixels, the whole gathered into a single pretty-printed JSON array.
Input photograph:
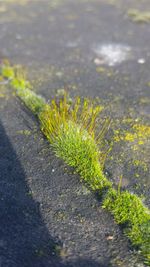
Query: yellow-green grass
[{"x": 72, "y": 132}]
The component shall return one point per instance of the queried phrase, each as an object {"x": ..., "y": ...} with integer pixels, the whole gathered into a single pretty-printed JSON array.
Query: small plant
[
  {"x": 8, "y": 72},
  {"x": 33, "y": 101},
  {"x": 22, "y": 87},
  {"x": 129, "y": 211},
  {"x": 71, "y": 130}
]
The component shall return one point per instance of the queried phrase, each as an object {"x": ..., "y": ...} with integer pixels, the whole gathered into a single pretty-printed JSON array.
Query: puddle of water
[{"x": 112, "y": 54}]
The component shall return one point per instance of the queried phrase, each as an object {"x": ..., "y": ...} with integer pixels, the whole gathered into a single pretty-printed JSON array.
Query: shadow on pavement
[{"x": 24, "y": 238}]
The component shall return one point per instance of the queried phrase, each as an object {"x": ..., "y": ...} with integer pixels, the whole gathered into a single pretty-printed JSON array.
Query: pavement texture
[{"x": 48, "y": 217}]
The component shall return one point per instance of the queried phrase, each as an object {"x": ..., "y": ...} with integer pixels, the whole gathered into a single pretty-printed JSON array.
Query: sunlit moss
[
  {"x": 8, "y": 72},
  {"x": 2, "y": 95},
  {"x": 140, "y": 163},
  {"x": 142, "y": 131},
  {"x": 24, "y": 132},
  {"x": 34, "y": 102},
  {"x": 138, "y": 132},
  {"x": 71, "y": 128},
  {"x": 79, "y": 150},
  {"x": 128, "y": 210},
  {"x": 71, "y": 132},
  {"x": 139, "y": 16}
]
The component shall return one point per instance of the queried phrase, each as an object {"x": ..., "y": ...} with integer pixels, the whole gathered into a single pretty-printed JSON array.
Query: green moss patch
[
  {"x": 22, "y": 87},
  {"x": 129, "y": 211},
  {"x": 73, "y": 132},
  {"x": 139, "y": 16}
]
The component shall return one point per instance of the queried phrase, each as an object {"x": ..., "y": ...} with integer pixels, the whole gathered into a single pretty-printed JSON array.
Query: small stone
[{"x": 110, "y": 237}]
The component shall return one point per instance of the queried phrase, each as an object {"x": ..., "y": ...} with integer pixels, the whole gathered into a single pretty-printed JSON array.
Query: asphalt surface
[{"x": 92, "y": 48}]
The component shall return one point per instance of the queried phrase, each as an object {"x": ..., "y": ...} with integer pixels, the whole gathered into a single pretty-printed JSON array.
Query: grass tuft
[{"x": 71, "y": 130}]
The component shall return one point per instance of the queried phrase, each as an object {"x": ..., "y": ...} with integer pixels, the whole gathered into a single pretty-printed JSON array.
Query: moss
[
  {"x": 24, "y": 132},
  {"x": 18, "y": 81},
  {"x": 138, "y": 133},
  {"x": 140, "y": 163},
  {"x": 16, "y": 75},
  {"x": 129, "y": 211},
  {"x": 101, "y": 70},
  {"x": 139, "y": 16},
  {"x": 145, "y": 100},
  {"x": 71, "y": 129},
  {"x": 34, "y": 102},
  {"x": 142, "y": 131},
  {"x": 71, "y": 132},
  {"x": 2, "y": 95},
  {"x": 78, "y": 149},
  {"x": 104, "y": 71},
  {"x": 8, "y": 72},
  {"x": 60, "y": 215}
]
